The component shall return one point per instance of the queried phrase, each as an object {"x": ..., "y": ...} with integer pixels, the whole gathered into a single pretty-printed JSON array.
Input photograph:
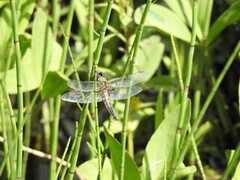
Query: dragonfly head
[{"x": 100, "y": 75}]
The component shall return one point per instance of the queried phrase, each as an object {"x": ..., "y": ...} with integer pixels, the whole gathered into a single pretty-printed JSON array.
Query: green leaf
[
  {"x": 131, "y": 171},
  {"x": 149, "y": 56},
  {"x": 89, "y": 169},
  {"x": 3, "y": 2},
  {"x": 184, "y": 171},
  {"x": 159, "y": 148},
  {"x": 204, "y": 17},
  {"x": 27, "y": 8},
  {"x": 163, "y": 81},
  {"x": 42, "y": 43},
  {"x": 181, "y": 8},
  {"x": 164, "y": 20},
  {"x": 30, "y": 72},
  {"x": 236, "y": 175},
  {"x": 6, "y": 33},
  {"x": 54, "y": 84},
  {"x": 230, "y": 16}
]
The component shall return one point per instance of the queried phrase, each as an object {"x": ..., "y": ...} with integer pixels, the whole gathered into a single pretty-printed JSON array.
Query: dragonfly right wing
[
  {"x": 127, "y": 81},
  {"x": 81, "y": 97},
  {"x": 124, "y": 93},
  {"x": 84, "y": 86}
]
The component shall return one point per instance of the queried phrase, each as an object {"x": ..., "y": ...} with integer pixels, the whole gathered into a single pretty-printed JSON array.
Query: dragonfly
[{"x": 107, "y": 90}]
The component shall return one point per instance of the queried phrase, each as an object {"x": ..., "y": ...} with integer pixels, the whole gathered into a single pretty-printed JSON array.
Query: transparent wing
[
  {"x": 81, "y": 97},
  {"x": 124, "y": 93},
  {"x": 84, "y": 86},
  {"x": 127, "y": 81}
]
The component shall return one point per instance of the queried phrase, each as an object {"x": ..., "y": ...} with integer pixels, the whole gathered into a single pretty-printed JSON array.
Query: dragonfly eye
[{"x": 99, "y": 74}]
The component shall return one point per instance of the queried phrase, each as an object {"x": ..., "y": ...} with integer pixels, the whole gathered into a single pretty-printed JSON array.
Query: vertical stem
[
  {"x": 188, "y": 77},
  {"x": 131, "y": 61},
  {"x": 179, "y": 70},
  {"x": 56, "y": 16},
  {"x": 90, "y": 62},
  {"x": 85, "y": 107},
  {"x": 55, "y": 123},
  {"x": 19, "y": 88},
  {"x": 205, "y": 105},
  {"x": 99, "y": 155},
  {"x": 90, "y": 35},
  {"x": 4, "y": 134},
  {"x": 27, "y": 134}
]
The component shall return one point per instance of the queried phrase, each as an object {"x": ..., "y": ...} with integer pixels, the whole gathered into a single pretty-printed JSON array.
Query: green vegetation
[{"x": 183, "y": 125}]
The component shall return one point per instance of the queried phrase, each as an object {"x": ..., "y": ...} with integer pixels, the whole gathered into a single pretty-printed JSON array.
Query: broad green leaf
[
  {"x": 164, "y": 20},
  {"x": 42, "y": 44},
  {"x": 54, "y": 84},
  {"x": 149, "y": 56},
  {"x": 204, "y": 17},
  {"x": 147, "y": 59},
  {"x": 159, "y": 148},
  {"x": 163, "y": 81},
  {"x": 230, "y": 16},
  {"x": 131, "y": 171},
  {"x": 6, "y": 34},
  {"x": 181, "y": 8},
  {"x": 89, "y": 169},
  {"x": 184, "y": 171},
  {"x": 82, "y": 13},
  {"x": 236, "y": 175},
  {"x": 30, "y": 72},
  {"x": 3, "y": 2},
  {"x": 26, "y": 13}
]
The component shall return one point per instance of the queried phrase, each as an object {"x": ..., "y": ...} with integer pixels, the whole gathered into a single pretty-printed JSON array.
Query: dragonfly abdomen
[{"x": 106, "y": 100}]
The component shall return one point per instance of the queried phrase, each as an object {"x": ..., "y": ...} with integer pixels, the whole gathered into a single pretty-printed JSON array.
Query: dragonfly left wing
[
  {"x": 84, "y": 86},
  {"x": 81, "y": 97},
  {"x": 124, "y": 93}
]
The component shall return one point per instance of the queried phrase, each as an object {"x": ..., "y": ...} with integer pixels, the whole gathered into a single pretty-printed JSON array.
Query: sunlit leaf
[
  {"x": 159, "y": 149},
  {"x": 54, "y": 84},
  {"x": 230, "y": 16},
  {"x": 27, "y": 8},
  {"x": 131, "y": 171},
  {"x": 236, "y": 175},
  {"x": 164, "y": 20},
  {"x": 89, "y": 169},
  {"x": 6, "y": 32}
]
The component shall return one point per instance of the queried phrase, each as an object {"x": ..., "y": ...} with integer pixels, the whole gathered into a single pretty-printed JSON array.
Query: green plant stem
[
  {"x": 90, "y": 62},
  {"x": 159, "y": 109},
  {"x": 179, "y": 69},
  {"x": 233, "y": 164},
  {"x": 27, "y": 134},
  {"x": 129, "y": 64},
  {"x": 85, "y": 107},
  {"x": 90, "y": 35},
  {"x": 56, "y": 16},
  {"x": 99, "y": 155},
  {"x": 198, "y": 160},
  {"x": 63, "y": 157},
  {"x": 55, "y": 123},
  {"x": 19, "y": 88},
  {"x": 206, "y": 104},
  {"x": 70, "y": 154},
  {"x": 188, "y": 77},
  {"x": 4, "y": 134}
]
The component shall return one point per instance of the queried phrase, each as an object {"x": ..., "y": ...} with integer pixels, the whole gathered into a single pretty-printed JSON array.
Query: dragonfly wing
[
  {"x": 127, "y": 81},
  {"x": 81, "y": 97},
  {"x": 124, "y": 93},
  {"x": 84, "y": 86}
]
